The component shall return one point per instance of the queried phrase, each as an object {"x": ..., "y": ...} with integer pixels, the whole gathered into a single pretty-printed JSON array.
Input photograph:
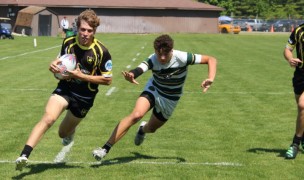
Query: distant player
[
  {"x": 162, "y": 92},
  {"x": 296, "y": 42},
  {"x": 76, "y": 94}
]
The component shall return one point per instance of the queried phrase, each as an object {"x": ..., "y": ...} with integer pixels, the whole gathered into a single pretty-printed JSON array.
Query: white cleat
[
  {"x": 99, "y": 153},
  {"x": 139, "y": 139},
  {"x": 21, "y": 162}
]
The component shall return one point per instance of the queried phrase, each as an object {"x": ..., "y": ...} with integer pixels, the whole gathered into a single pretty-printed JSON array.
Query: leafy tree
[{"x": 267, "y": 9}]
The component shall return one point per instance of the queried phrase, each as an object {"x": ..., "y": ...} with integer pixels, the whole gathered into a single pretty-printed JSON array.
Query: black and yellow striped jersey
[
  {"x": 94, "y": 60},
  {"x": 296, "y": 40}
]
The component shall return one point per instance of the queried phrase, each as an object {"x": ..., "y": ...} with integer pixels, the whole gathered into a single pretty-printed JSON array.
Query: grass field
[{"x": 239, "y": 129}]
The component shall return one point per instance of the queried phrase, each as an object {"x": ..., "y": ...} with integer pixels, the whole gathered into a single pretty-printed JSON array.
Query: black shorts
[
  {"x": 298, "y": 82},
  {"x": 149, "y": 96},
  {"x": 78, "y": 105}
]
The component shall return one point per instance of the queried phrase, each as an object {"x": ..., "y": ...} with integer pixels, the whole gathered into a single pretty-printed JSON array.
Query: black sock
[
  {"x": 296, "y": 140},
  {"x": 107, "y": 147},
  {"x": 140, "y": 131},
  {"x": 26, "y": 151}
]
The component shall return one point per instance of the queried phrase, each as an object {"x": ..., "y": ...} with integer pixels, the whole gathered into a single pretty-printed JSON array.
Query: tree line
[{"x": 266, "y": 9}]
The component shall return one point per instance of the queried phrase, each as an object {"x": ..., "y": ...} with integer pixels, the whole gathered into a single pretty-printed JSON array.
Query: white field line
[
  {"x": 110, "y": 91},
  {"x": 30, "y": 89},
  {"x": 61, "y": 155},
  {"x": 136, "y": 162},
  {"x": 32, "y": 52}
]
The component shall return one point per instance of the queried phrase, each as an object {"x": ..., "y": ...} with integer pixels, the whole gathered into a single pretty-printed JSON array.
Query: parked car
[
  {"x": 256, "y": 24},
  {"x": 228, "y": 27},
  {"x": 266, "y": 27},
  {"x": 284, "y": 25},
  {"x": 241, "y": 23},
  {"x": 5, "y": 29}
]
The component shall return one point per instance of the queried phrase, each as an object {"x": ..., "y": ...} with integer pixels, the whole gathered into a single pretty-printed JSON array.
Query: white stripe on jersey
[{"x": 169, "y": 78}]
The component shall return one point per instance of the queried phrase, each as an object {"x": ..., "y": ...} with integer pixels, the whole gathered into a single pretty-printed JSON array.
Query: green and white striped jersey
[{"x": 169, "y": 79}]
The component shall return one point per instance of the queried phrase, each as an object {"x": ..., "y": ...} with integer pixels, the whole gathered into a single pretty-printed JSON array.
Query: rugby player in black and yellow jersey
[
  {"x": 296, "y": 41},
  {"x": 76, "y": 93}
]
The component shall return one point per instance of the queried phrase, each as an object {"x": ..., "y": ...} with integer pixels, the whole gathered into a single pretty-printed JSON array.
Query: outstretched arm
[
  {"x": 211, "y": 61},
  {"x": 129, "y": 76}
]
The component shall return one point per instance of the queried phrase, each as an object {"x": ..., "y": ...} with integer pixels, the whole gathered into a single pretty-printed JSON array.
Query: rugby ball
[{"x": 68, "y": 62}]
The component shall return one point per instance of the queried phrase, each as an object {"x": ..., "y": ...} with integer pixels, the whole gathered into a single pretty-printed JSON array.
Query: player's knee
[
  {"x": 301, "y": 105},
  {"x": 48, "y": 120},
  {"x": 136, "y": 116}
]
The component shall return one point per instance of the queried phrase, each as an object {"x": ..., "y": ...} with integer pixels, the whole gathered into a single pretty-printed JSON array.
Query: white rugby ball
[{"x": 68, "y": 62}]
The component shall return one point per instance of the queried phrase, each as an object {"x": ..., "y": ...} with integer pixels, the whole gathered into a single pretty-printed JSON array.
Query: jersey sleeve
[
  {"x": 147, "y": 64},
  {"x": 64, "y": 47},
  {"x": 106, "y": 64},
  {"x": 291, "y": 41},
  {"x": 190, "y": 58}
]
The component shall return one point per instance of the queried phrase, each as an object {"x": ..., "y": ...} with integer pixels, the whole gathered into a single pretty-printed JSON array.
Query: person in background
[
  {"x": 77, "y": 91},
  {"x": 64, "y": 25},
  {"x": 162, "y": 92}
]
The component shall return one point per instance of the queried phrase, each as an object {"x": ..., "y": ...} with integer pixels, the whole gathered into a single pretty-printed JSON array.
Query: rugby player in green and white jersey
[{"x": 162, "y": 92}]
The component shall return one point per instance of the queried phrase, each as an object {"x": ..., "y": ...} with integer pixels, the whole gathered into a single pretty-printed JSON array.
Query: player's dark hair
[
  {"x": 163, "y": 43},
  {"x": 90, "y": 17}
]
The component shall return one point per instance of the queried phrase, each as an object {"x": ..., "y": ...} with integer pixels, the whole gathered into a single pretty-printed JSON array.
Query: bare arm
[
  {"x": 293, "y": 62},
  {"x": 129, "y": 76},
  {"x": 77, "y": 74},
  {"x": 211, "y": 61}
]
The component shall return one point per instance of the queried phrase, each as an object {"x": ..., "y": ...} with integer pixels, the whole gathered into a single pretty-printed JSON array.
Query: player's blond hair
[{"x": 90, "y": 17}]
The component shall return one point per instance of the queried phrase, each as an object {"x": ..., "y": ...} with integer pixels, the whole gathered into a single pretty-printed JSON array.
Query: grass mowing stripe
[{"x": 112, "y": 89}]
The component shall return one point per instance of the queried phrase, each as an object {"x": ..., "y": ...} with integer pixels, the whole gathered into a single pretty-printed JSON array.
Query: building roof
[
  {"x": 32, "y": 9},
  {"x": 129, "y": 4}
]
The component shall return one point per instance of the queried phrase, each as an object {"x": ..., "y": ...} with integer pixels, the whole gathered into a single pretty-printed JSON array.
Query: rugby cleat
[
  {"x": 67, "y": 140},
  {"x": 139, "y": 138},
  {"x": 292, "y": 151},
  {"x": 21, "y": 162},
  {"x": 99, "y": 153}
]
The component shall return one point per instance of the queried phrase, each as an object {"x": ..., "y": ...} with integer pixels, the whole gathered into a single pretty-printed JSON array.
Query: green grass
[{"x": 247, "y": 118}]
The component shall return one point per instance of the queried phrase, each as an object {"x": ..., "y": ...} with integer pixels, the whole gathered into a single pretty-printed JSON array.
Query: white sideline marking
[
  {"x": 61, "y": 155},
  {"x": 28, "y": 53},
  {"x": 24, "y": 90},
  {"x": 110, "y": 91},
  {"x": 138, "y": 162}
]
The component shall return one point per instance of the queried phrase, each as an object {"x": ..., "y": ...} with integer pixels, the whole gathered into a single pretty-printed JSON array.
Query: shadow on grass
[
  {"x": 281, "y": 152},
  {"x": 137, "y": 156},
  {"x": 39, "y": 168}
]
